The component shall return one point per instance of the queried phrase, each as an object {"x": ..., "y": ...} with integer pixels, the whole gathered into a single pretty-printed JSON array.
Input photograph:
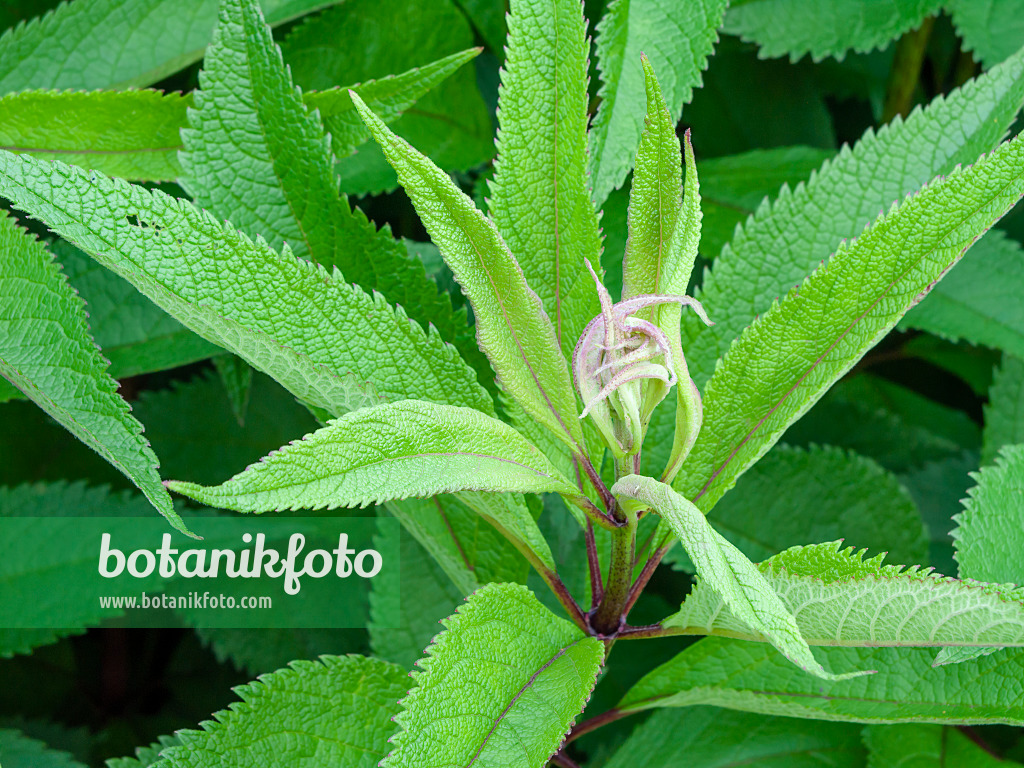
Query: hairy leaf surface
[
  {"x": 539, "y": 196},
  {"x": 393, "y": 451},
  {"x": 47, "y": 352},
  {"x": 706, "y": 737},
  {"x": 825, "y": 325},
  {"x": 116, "y": 43},
  {"x": 512, "y": 327},
  {"x": 678, "y": 38},
  {"x": 786, "y": 240},
  {"x": 329, "y": 343},
  {"x": 979, "y": 301},
  {"x": 136, "y": 134},
  {"x": 500, "y": 686},
  {"x": 840, "y": 598},
  {"x": 1004, "y": 413},
  {"x": 337, "y": 710},
  {"x": 728, "y": 573},
  {"x": 757, "y": 678},
  {"x": 784, "y": 27},
  {"x": 256, "y": 157}
]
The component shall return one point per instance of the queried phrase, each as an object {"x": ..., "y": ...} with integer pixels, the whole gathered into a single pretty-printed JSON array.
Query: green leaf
[
  {"x": 142, "y": 41},
  {"x": 19, "y": 751},
  {"x": 756, "y": 678},
  {"x": 926, "y": 746},
  {"x": 393, "y": 451},
  {"x": 489, "y": 19},
  {"x": 989, "y": 536},
  {"x": 357, "y": 42},
  {"x": 336, "y": 711},
  {"x": 784, "y": 27},
  {"x": 840, "y": 598},
  {"x": 46, "y": 351},
  {"x": 801, "y": 496},
  {"x": 677, "y": 38},
  {"x": 32, "y": 570},
  {"x": 330, "y": 344},
  {"x": 144, "y": 756},
  {"x": 733, "y": 187},
  {"x": 499, "y": 687},
  {"x": 256, "y": 157},
  {"x": 426, "y": 596},
  {"x": 136, "y": 134},
  {"x": 727, "y": 572},
  {"x": 512, "y": 327},
  {"x": 706, "y": 737},
  {"x": 785, "y": 241},
  {"x": 236, "y": 376},
  {"x": 256, "y": 651},
  {"x": 825, "y": 325},
  {"x": 978, "y": 300},
  {"x": 990, "y": 42},
  {"x": 135, "y": 335},
  {"x": 1004, "y": 413},
  {"x": 540, "y": 198}
]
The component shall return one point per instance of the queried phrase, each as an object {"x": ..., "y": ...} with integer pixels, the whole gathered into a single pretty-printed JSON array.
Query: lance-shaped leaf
[
  {"x": 136, "y": 134},
  {"x": 512, "y": 327},
  {"x": 499, "y": 687},
  {"x": 330, "y": 344},
  {"x": 677, "y": 38},
  {"x": 337, "y": 710},
  {"x": 394, "y": 451},
  {"x": 727, "y": 571},
  {"x": 839, "y": 598},
  {"x": 256, "y": 157},
  {"x": 47, "y": 352},
  {"x": 783, "y": 27},
  {"x": 757, "y": 678},
  {"x": 1004, "y": 413},
  {"x": 787, "y": 239},
  {"x": 825, "y": 325},
  {"x": 142, "y": 42},
  {"x": 540, "y": 197}
]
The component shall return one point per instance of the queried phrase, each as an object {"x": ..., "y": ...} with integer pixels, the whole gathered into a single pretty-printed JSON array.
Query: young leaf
[
  {"x": 992, "y": 29},
  {"x": 783, "y": 27},
  {"x": 500, "y": 686},
  {"x": 927, "y": 746},
  {"x": 142, "y": 42},
  {"x": 512, "y": 327},
  {"x": 46, "y": 351},
  {"x": 785, "y": 241},
  {"x": 136, "y": 134},
  {"x": 727, "y": 572},
  {"x": 256, "y": 157},
  {"x": 677, "y": 38},
  {"x": 706, "y": 737},
  {"x": 757, "y": 678},
  {"x": 825, "y": 325},
  {"x": 839, "y": 598},
  {"x": 357, "y": 41},
  {"x": 337, "y": 711},
  {"x": 989, "y": 536},
  {"x": 214, "y": 281},
  {"x": 979, "y": 301},
  {"x": 798, "y": 496},
  {"x": 1004, "y": 412},
  {"x": 426, "y": 596},
  {"x": 540, "y": 199}
]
